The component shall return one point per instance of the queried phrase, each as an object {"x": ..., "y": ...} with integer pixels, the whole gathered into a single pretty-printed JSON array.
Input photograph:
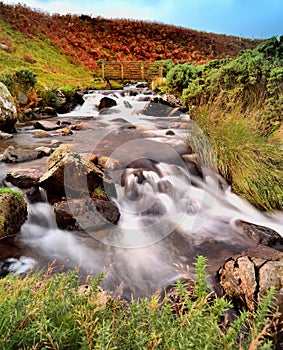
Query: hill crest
[{"x": 88, "y": 40}]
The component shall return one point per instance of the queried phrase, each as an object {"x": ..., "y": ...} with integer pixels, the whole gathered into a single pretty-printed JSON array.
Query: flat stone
[
  {"x": 46, "y": 125},
  {"x": 5, "y": 135},
  {"x": 24, "y": 178},
  {"x": 13, "y": 155},
  {"x": 46, "y": 151},
  {"x": 41, "y": 134}
]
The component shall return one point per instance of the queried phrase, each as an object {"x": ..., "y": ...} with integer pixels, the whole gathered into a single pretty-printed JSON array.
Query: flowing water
[{"x": 170, "y": 213}]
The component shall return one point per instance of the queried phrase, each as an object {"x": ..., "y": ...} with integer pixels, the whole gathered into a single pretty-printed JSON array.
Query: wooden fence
[{"x": 118, "y": 70}]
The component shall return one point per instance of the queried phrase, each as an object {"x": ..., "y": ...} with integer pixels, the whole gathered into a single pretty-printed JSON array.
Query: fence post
[
  {"x": 161, "y": 70},
  {"x": 142, "y": 71},
  {"x": 103, "y": 70},
  {"x": 122, "y": 72}
]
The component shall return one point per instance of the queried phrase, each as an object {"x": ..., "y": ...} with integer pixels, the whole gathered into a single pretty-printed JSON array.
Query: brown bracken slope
[{"x": 89, "y": 40}]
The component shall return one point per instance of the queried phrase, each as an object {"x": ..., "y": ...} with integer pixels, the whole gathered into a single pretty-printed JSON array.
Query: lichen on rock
[{"x": 13, "y": 212}]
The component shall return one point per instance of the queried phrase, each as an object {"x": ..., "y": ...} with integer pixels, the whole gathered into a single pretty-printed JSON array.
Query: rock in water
[
  {"x": 107, "y": 102},
  {"x": 8, "y": 110},
  {"x": 91, "y": 214},
  {"x": 69, "y": 171},
  {"x": 13, "y": 213},
  {"x": 13, "y": 155}
]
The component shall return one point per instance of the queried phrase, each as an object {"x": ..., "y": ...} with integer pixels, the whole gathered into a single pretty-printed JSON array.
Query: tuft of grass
[
  {"x": 249, "y": 160},
  {"x": 99, "y": 192},
  {"x": 55, "y": 312},
  {"x": 18, "y": 194}
]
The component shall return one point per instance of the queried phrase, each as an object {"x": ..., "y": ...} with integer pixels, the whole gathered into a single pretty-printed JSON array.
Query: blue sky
[{"x": 246, "y": 18}]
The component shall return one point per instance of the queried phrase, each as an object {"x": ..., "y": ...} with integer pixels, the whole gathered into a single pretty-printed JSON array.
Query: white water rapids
[{"x": 168, "y": 214}]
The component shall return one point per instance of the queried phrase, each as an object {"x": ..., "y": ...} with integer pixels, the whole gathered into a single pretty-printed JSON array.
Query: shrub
[
  {"x": 179, "y": 77},
  {"x": 49, "y": 97},
  {"x": 21, "y": 81},
  {"x": 54, "y": 311}
]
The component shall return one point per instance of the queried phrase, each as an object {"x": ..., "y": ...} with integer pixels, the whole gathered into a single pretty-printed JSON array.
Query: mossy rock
[{"x": 13, "y": 212}]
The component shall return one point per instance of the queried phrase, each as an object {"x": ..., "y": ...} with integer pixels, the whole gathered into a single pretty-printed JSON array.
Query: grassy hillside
[
  {"x": 86, "y": 40},
  {"x": 49, "y": 63}
]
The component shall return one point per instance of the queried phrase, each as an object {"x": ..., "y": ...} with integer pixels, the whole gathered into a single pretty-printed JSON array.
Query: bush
[
  {"x": 21, "y": 81},
  {"x": 49, "y": 97},
  {"x": 180, "y": 76},
  {"x": 54, "y": 311}
]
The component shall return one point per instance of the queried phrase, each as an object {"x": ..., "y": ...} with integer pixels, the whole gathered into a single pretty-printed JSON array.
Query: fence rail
[{"x": 118, "y": 70}]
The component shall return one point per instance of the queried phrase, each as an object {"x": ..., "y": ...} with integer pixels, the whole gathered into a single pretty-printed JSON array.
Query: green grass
[
  {"x": 19, "y": 195},
  {"x": 53, "y": 68},
  {"x": 249, "y": 160},
  {"x": 54, "y": 312}
]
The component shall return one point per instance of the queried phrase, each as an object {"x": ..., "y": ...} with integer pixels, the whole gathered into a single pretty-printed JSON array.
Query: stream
[{"x": 172, "y": 210}]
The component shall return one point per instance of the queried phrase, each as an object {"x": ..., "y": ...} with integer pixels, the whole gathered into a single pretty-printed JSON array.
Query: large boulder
[
  {"x": 13, "y": 212},
  {"x": 70, "y": 172},
  {"x": 8, "y": 110},
  {"x": 248, "y": 276},
  {"x": 93, "y": 213},
  {"x": 161, "y": 106}
]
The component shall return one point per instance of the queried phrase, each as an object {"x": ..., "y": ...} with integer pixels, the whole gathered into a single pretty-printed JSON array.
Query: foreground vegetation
[
  {"x": 238, "y": 105},
  {"x": 55, "y": 312}
]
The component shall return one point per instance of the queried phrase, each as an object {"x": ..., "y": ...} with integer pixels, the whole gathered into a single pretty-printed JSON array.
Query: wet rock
[
  {"x": 35, "y": 195},
  {"x": 24, "y": 178},
  {"x": 170, "y": 133},
  {"x": 81, "y": 214},
  {"x": 13, "y": 213},
  {"x": 156, "y": 109},
  {"x": 165, "y": 186},
  {"x": 41, "y": 134},
  {"x": 119, "y": 120},
  {"x": 45, "y": 151},
  {"x": 58, "y": 155},
  {"x": 90, "y": 157},
  {"x": 127, "y": 104},
  {"x": 71, "y": 172},
  {"x": 5, "y": 135},
  {"x": 260, "y": 234},
  {"x": 68, "y": 100},
  {"x": 193, "y": 164},
  {"x": 247, "y": 277},
  {"x": 46, "y": 125},
  {"x": 65, "y": 132},
  {"x": 141, "y": 85},
  {"x": 107, "y": 111},
  {"x": 39, "y": 113},
  {"x": 106, "y": 102},
  {"x": 8, "y": 110},
  {"x": 166, "y": 105},
  {"x": 65, "y": 105},
  {"x": 55, "y": 143},
  {"x": 13, "y": 155},
  {"x": 78, "y": 126},
  {"x": 174, "y": 102},
  {"x": 109, "y": 163}
]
